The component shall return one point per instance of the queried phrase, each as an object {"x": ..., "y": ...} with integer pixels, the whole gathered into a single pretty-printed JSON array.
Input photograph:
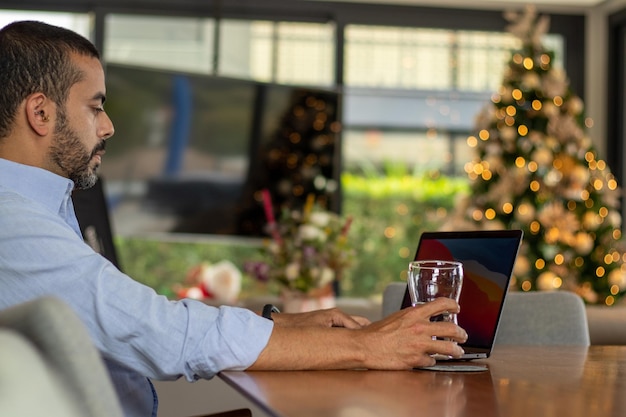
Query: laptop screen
[{"x": 488, "y": 258}]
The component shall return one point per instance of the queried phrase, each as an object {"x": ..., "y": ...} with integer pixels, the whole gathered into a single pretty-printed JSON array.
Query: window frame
[
  {"x": 571, "y": 26},
  {"x": 616, "y": 98}
]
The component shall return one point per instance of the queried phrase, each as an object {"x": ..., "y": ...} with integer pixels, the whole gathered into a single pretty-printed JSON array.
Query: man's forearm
[
  {"x": 312, "y": 348},
  {"x": 403, "y": 340}
]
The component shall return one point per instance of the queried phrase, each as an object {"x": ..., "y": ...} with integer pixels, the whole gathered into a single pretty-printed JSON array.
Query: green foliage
[{"x": 390, "y": 212}]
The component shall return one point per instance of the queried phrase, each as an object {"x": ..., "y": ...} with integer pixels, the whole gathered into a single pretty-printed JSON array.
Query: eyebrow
[{"x": 100, "y": 96}]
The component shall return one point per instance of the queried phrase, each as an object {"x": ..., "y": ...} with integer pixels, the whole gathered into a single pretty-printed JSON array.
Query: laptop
[{"x": 488, "y": 257}]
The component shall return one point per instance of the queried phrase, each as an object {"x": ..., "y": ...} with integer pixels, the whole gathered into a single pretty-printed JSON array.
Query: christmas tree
[{"x": 537, "y": 170}]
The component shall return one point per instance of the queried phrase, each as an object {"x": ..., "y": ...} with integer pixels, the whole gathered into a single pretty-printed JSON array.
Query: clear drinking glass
[{"x": 432, "y": 279}]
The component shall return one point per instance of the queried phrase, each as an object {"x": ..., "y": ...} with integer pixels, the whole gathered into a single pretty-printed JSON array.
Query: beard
[{"x": 69, "y": 153}]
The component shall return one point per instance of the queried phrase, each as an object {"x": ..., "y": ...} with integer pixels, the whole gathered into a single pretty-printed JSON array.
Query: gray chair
[
  {"x": 392, "y": 297},
  {"x": 543, "y": 318},
  {"x": 48, "y": 358},
  {"x": 528, "y": 318},
  {"x": 49, "y": 365},
  {"x": 29, "y": 388}
]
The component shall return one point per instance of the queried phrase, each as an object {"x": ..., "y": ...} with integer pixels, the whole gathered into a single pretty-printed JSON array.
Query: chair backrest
[
  {"x": 543, "y": 318},
  {"x": 528, "y": 318},
  {"x": 48, "y": 330},
  {"x": 29, "y": 387},
  {"x": 92, "y": 212},
  {"x": 392, "y": 297}
]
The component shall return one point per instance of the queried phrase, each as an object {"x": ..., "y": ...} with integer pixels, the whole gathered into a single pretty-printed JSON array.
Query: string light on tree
[{"x": 537, "y": 170}]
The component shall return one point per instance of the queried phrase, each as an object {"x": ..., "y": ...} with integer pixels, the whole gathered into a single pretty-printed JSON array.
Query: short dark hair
[{"x": 35, "y": 57}]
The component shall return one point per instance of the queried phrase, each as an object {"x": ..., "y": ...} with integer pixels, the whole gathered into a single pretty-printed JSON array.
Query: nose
[{"x": 106, "y": 128}]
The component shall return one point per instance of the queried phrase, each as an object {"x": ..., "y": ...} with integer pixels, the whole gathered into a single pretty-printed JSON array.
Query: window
[
  {"x": 246, "y": 49},
  {"x": 282, "y": 52},
  {"x": 379, "y": 56},
  {"x": 412, "y": 94},
  {"x": 480, "y": 59},
  {"x": 80, "y": 23},
  {"x": 172, "y": 43}
]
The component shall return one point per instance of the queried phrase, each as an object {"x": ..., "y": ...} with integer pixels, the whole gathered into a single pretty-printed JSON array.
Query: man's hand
[
  {"x": 332, "y": 317},
  {"x": 330, "y": 339},
  {"x": 407, "y": 338}
]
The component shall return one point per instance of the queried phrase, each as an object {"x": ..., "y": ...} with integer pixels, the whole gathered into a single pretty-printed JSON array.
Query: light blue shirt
[{"x": 140, "y": 334}]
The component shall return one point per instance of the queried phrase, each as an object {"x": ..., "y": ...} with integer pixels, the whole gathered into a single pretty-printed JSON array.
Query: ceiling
[
  {"x": 499, "y": 3},
  {"x": 572, "y": 5}
]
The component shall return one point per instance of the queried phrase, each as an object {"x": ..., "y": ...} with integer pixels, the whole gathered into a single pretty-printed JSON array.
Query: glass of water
[{"x": 432, "y": 279}]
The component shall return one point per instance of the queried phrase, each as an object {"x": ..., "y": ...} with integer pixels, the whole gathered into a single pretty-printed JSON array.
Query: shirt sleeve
[{"x": 129, "y": 322}]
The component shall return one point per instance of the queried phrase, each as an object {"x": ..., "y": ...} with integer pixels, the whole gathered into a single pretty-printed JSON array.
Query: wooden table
[{"x": 528, "y": 381}]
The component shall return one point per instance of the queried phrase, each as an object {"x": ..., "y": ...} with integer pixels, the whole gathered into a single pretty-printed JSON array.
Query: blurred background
[{"x": 368, "y": 106}]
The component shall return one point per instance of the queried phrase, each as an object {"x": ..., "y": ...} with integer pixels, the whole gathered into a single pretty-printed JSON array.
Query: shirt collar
[{"x": 49, "y": 189}]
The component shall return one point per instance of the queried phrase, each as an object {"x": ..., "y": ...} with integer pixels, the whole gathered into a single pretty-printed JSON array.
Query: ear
[{"x": 39, "y": 113}]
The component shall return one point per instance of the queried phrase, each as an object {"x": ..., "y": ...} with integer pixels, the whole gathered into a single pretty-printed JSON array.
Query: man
[{"x": 53, "y": 130}]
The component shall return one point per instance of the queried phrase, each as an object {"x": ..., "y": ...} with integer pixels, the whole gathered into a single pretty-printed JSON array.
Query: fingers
[
  {"x": 332, "y": 317},
  {"x": 440, "y": 305},
  {"x": 439, "y": 348},
  {"x": 440, "y": 329},
  {"x": 447, "y": 348},
  {"x": 363, "y": 321},
  {"x": 340, "y": 319},
  {"x": 444, "y": 330}
]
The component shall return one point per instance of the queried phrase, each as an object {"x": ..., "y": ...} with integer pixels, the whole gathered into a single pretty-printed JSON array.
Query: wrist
[{"x": 269, "y": 310}]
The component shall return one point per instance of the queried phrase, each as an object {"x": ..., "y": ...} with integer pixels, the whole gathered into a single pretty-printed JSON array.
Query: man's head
[
  {"x": 35, "y": 57},
  {"x": 53, "y": 90}
]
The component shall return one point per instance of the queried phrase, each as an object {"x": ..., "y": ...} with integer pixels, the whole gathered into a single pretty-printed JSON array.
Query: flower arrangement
[{"x": 308, "y": 249}]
